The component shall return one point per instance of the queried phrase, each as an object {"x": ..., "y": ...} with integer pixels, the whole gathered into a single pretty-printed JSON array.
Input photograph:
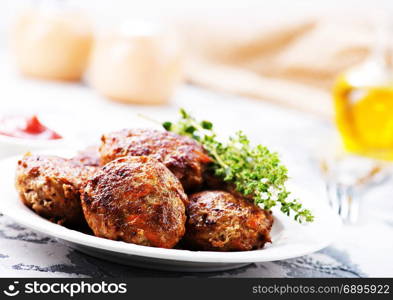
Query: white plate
[{"x": 290, "y": 239}]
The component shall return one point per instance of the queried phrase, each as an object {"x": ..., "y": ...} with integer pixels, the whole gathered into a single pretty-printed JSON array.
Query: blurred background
[
  {"x": 253, "y": 48},
  {"x": 310, "y": 79}
]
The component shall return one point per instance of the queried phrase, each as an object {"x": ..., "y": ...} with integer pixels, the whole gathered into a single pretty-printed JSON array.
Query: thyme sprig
[{"x": 254, "y": 171}]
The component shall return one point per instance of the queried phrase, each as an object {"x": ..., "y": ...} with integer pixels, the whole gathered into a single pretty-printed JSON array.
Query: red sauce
[{"x": 27, "y": 128}]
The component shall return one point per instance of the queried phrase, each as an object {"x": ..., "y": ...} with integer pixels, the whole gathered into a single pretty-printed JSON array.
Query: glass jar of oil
[{"x": 363, "y": 100}]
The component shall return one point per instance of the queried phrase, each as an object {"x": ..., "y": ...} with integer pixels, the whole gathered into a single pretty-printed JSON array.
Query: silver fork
[{"x": 348, "y": 178}]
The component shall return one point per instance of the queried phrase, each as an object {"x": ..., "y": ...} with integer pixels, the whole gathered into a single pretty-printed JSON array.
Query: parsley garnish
[{"x": 254, "y": 171}]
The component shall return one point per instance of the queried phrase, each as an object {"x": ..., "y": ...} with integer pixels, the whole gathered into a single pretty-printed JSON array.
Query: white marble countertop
[{"x": 360, "y": 250}]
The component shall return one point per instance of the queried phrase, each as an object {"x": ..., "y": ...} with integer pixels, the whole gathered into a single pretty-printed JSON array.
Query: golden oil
[{"x": 364, "y": 111}]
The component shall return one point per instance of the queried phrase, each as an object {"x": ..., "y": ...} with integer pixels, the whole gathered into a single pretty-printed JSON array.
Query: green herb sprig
[{"x": 254, "y": 171}]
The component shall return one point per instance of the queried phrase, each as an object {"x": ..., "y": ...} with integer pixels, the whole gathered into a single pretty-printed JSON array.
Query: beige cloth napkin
[{"x": 291, "y": 62}]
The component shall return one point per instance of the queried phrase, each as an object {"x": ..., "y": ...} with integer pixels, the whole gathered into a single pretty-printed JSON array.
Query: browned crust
[
  {"x": 219, "y": 221},
  {"x": 50, "y": 185},
  {"x": 183, "y": 156},
  {"x": 136, "y": 200}
]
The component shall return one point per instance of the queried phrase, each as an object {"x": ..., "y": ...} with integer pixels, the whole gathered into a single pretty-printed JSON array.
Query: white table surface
[{"x": 360, "y": 250}]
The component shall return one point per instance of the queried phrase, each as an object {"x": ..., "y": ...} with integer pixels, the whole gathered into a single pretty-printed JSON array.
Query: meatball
[
  {"x": 50, "y": 185},
  {"x": 219, "y": 221},
  {"x": 88, "y": 157},
  {"x": 183, "y": 156},
  {"x": 136, "y": 200}
]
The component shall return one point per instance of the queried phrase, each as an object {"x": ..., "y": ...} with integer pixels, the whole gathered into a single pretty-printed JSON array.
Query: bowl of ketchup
[{"x": 19, "y": 134}]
